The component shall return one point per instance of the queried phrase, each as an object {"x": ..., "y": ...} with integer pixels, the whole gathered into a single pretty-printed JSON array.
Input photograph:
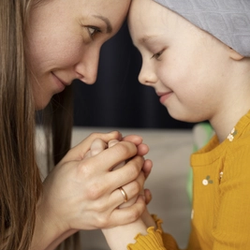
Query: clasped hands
[{"x": 82, "y": 192}]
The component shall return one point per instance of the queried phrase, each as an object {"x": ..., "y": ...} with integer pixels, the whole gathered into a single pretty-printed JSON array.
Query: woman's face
[
  {"x": 64, "y": 41},
  {"x": 186, "y": 66}
]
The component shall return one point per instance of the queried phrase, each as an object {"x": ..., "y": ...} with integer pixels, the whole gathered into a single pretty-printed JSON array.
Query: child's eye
[{"x": 158, "y": 54}]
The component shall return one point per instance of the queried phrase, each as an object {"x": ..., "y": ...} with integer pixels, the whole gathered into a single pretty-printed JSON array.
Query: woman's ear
[{"x": 235, "y": 55}]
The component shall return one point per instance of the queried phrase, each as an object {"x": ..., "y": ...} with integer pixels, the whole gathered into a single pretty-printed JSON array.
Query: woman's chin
[{"x": 41, "y": 104}]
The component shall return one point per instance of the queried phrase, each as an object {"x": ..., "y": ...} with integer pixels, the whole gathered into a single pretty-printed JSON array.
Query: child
[{"x": 196, "y": 55}]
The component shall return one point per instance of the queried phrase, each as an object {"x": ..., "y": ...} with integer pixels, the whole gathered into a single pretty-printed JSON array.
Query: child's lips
[{"x": 164, "y": 96}]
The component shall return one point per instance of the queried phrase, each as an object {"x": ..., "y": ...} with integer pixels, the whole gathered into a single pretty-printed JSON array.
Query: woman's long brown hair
[{"x": 20, "y": 182}]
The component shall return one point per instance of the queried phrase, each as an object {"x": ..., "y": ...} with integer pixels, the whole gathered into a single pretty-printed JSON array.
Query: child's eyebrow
[{"x": 146, "y": 38}]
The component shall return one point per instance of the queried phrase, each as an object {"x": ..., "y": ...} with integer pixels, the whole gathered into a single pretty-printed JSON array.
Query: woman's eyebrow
[{"x": 107, "y": 22}]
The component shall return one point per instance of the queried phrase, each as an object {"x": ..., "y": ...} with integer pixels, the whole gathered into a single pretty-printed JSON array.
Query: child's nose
[{"x": 147, "y": 75}]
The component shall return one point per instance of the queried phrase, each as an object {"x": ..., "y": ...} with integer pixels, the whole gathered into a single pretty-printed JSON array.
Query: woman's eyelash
[{"x": 93, "y": 30}]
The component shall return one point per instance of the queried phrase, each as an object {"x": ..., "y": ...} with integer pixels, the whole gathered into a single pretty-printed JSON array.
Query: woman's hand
[
  {"x": 130, "y": 202},
  {"x": 98, "y": 146},
  {"x": 82, "y": 193}
]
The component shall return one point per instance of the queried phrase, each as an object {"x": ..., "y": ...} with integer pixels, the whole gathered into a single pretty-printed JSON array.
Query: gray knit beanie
[{"x": 227, "y": 20}]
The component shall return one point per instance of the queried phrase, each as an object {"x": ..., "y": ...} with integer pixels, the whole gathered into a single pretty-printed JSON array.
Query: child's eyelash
[{"x": 158, "y": 54}]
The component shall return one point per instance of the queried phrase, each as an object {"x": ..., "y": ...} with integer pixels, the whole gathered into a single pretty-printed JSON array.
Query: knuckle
[
  {"x": 85, "y": 170},
  {"x": 125, "y": 148},
  {"x": 94, "y": 136},
  {"x": 138, "y": 160},
  {"x": 136, "y": 187},
  {"x": 115, "y": 133},
  {"x": 96, "y": 151},
  {"x": 134, "y": 215},
  {"x": 94, "y": 191},
  {"x": 135, "y": 166},
  {"x": 102, "y": 206},
  {"x": 103, "y": 221},
  {"x": 133, "y": 171}
]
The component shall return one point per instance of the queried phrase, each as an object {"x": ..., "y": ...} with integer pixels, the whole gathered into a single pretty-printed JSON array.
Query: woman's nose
[
  {"x": 147, "y": 75},
  {"x": 87, "y": 67}
]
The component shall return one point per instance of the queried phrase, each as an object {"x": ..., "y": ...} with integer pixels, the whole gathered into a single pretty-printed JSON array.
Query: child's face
[
  {"x": 186, "y": 66},
  {"x": 64, "y": 41}
]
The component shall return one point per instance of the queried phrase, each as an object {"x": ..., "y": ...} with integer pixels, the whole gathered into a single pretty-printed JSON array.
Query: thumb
[{"x": 78, "y": 152}]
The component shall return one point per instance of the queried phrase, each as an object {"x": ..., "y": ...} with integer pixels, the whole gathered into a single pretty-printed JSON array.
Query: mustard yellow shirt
[{"x": 221, "y": 197}]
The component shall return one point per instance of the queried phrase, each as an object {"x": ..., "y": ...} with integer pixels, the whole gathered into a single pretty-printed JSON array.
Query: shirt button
[{"x": 205, "y": 182}]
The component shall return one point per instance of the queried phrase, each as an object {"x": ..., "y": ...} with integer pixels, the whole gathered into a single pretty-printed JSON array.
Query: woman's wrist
[
  {"x": 49, "y": 230},
  {"x": 60, "y": 239}
]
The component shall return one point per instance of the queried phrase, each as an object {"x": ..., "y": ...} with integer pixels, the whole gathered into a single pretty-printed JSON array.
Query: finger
[
  {"x": 129, "y": 172},
  {"x": 88, "y": 155},
  {"x": 111, "y": 201},
  {"x": 97, "y": 146},
  {"x": 129, "y": 193},
  {"x": 148, "y": 196},
  {"x": 116, "y": 154},
  {"x": 136, "y": 139},
  {"x": 147, "y": 167},
  {"x": 119, "y": 166},
  {"x": 127, "y": 215},
  {"x": 142, "y": 149},
  {"x": 112, "y": 143},
  {"x": 101, "y": 164},
  {"x": 98, "y": 167},
  {"x": 78, "y": 152},
  {"x": 113, "y": 180}
]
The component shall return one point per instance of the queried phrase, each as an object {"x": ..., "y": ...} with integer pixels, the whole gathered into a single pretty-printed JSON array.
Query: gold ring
[{"x": 123, "y": 194}]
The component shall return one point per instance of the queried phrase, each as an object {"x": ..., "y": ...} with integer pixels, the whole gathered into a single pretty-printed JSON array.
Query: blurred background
[{"x": 117, "y": 99}]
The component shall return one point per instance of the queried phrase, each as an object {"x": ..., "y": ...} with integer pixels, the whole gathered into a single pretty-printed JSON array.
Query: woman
[{"x": 44, "y": 46}]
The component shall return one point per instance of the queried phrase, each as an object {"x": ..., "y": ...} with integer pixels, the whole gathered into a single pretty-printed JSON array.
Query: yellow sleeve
[{"x": 154, "y": 240}]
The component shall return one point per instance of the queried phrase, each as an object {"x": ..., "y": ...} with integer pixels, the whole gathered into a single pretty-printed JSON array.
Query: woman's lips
[{"x": 60, "y": 83}]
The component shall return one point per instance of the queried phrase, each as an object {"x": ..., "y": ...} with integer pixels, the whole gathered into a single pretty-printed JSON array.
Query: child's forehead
[{"x": 228, "y": 21}]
